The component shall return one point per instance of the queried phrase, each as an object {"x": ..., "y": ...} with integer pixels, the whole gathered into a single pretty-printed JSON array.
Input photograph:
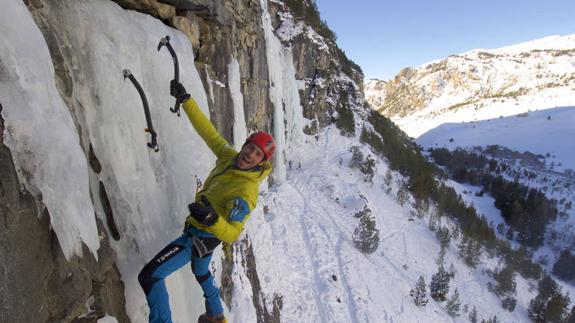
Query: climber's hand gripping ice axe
[
  {"x": 165, "y": 41},
  {"x": 150, "y": 129}
]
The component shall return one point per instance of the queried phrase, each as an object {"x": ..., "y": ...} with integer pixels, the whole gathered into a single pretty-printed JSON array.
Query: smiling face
[{"x": 250, "y": 156}]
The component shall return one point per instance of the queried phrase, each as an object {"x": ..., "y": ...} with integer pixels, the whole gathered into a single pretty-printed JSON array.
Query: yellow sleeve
[
  {"x": 227, "y": 231},
  {"x": 229, "y": 228},
  {"x": 215, "y": 141}
]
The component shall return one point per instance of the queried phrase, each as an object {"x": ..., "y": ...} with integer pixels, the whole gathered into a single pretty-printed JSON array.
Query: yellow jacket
[{"x": 232, "y": 192}]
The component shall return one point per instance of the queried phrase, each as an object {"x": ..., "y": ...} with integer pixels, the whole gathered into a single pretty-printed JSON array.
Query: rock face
[
  {"x": 331, "y": 81},
  {"x": 48, "y": 288},
  {"x": 233, "y": 29},
  {"x": 84, "y": 289}
]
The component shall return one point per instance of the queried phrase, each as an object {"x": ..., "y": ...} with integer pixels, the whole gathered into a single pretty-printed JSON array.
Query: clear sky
[{"x": 384, "y": 36}]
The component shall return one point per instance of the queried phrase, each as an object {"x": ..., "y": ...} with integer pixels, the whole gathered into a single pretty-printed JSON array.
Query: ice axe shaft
[
  {"x": 165, "y": 41},
  {"x": 150, "y": 129}
]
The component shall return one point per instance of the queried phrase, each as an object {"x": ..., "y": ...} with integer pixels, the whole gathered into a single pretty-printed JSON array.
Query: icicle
[
  {"x": 284, "y": 94},
  {"x": 240, "y": 131}
]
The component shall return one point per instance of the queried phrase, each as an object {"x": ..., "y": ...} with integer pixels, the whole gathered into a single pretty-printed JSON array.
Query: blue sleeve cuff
[{"x": 240, "y": 210}]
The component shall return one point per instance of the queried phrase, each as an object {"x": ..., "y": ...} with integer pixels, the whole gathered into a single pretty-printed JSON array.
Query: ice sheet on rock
[
  {"x": 234, "y": 83},
  {"x": 288, "y": 118},
  {"x": 40, "y": 131},
  {"x": 148, "y": 191}
]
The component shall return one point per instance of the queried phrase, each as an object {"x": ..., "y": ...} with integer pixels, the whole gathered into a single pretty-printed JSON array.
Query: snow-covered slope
[
  {"x": 479, "y": 85},
  {"x": 521, "y": 97},
  {"x": 305, "y": 250},
  {"x": 545, "y": 132}
]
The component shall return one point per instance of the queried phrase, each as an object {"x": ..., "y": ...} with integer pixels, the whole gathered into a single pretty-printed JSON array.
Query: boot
[{"x": 204, "y": 318}]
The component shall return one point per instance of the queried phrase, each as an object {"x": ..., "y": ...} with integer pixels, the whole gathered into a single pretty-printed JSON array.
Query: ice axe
[
  {"x": 150, "y": 129},
  {"x": 165, "y": 41}
]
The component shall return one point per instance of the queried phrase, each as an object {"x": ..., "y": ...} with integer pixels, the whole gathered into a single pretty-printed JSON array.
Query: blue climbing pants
[{"x": 175, "y": 255}]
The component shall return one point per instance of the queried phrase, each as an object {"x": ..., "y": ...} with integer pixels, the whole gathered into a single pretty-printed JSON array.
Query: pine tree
[
  {"x": 463, "y": 246},
  {"x": 473, "y": 315},
  {"x": 491, "y": 320},
  {"x": 470, "y": 251},
  {"x": 356, "y": 157},
  {"x": 509, "y": 303},
  {"x": 441, "y": 257},
  {"x": 475, "y": 253},
  {"x": 556, "y": 308},
  {"x": 453, "y": 304},
  {"x": 444, "y": 237},
  {"x": 367, "y": 168},
  {"x": 452, "y": 271},
  {"x": 550, "y": 305},
  {"x": 387, "y": 181},
  {"x": 433, "y": 221},
  {"x": 506, "y": 287},
  {"x": 439, "y": 286},
  {"x": 421, "y": 207},
  {"x": 366, "y": 235},
  {"x": 505, "y": 279},
  {"x": 564, "y": 268},
  {"x": 536, "y": 308},
  {"x": 402, "y": 194},
  {"x": 547, "y": 287},
  {"x": 571, "y": 317},
  {"x": 418, "y": 293},
  {"x": 388, "y": 177}
]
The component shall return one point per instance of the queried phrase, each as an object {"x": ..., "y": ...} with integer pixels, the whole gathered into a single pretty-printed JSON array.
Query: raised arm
[{"x": 215, "y": 141}]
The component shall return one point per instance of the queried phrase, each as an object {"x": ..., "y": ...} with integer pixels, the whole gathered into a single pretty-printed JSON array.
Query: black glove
[
  {"x": 178, "y": 91},
  {"x": 203, "y": 212}
]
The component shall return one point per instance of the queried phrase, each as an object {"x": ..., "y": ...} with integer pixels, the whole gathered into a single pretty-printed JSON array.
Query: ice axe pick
[
  {"x": 165, "y": 41},
  {"x": 150, "y": 129}
]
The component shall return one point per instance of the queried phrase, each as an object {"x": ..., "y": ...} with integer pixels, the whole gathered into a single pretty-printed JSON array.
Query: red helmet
[{"x": 264, "y": 141}]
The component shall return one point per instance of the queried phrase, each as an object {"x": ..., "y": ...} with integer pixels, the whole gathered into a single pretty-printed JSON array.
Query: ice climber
[{"x": 220, "y": 210}]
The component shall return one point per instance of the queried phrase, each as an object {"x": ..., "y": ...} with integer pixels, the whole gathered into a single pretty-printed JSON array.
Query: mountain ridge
[{"x": 528, "y": 76}]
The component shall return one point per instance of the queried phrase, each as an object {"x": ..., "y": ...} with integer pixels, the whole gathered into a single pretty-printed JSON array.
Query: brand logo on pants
[{"x": 168, "y": 254}]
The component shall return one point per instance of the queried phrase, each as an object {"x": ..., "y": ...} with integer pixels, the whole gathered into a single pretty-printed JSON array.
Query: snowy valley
[{"x": 505, "y": 113}]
